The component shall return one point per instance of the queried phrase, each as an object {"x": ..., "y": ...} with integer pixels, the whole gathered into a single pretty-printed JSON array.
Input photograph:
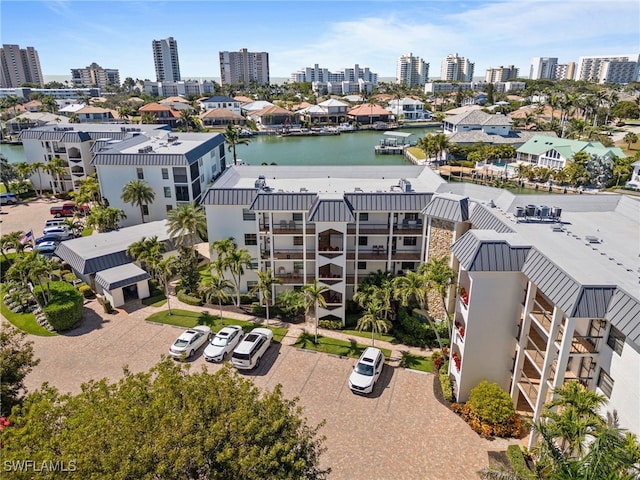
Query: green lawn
[
  {"x": 25, "y": 322},
  {"x": 87, "y": 231},
  {"x": 334, "y": 346},
  {"x": 155, "y": 301},
  {"x": 416, "y": 362},
  {"x": 188, "y": 319},
  {"x": 365, "y": 334}
]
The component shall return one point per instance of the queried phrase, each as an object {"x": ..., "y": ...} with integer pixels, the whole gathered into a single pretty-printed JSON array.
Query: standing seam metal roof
[
  {"x": 624, "y": 313},
  {"x": 477, "y": 254},
  {"x": 448, "y": 207},
  {"x": 283, "y": 201},
  {"x": 388, "y": 201},
  {"x": 482, "y": 219},
  {"x": 229, "y": 196},
  {"x": 330, "y": 210},
  {"x": 121, "y": 276}
]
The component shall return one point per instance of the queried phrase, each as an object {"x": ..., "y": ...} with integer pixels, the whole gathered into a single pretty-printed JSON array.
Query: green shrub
[
  {"x": 437, "y": 360},
  {"x": 85, "y": 290},
  {"x": 518, "y": 463},
  {"x": 65, "y": 306},
  {"x": 445, "y": 382},
  {"x": 106, "y": 305},
  {"x": 330, "y": 324},
  {"x": 258, "y": 309},
  {"x": 189, "y": 299},
  {"x": 68, "y": 277}
]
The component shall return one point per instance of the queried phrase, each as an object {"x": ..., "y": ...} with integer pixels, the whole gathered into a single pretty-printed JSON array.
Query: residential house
[
  {"x": 272, "y": 116},
  {"x": 93, "y": 114},
  {"x": 177, "y": 166},
  {"x": 409, "y": 110},
  {"x": 556, "y": 152},
  {"x": 101, "y": 261},
  {"x": 76, "y": 145},
  {"x": 163, "y": 114},
  {"x": 330, "y": 111},
  {"x": 221, "y": 101},
  {"x": 221, "y": 116},
  {"x": 27, "y": 120},
  {"x": 255, "y": 106},
  {"x": 369, "y": 113}
]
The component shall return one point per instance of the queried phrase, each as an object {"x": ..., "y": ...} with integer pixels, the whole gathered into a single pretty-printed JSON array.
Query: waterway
[{"x": 351, "y": 148}]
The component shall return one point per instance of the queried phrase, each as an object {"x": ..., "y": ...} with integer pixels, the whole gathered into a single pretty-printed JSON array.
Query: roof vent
[
  {"x": 405, "y": 185},
  {"x": 260, "y": 183}
]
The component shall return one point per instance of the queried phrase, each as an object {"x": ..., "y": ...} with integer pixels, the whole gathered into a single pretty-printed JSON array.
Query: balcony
[
  {"x": 288, "y": 228},
  {"x": 377, "y": 252},
  {"x": 529, "y": 382},
  {"x": 293, "y": 278},
  {"x": 408, "y": 227},
  {"x": 289, "y": 254},
  {"x": 535, "y": 349},
  {"x": 369, "y": 229},
  {"x": 59, "y": 150},
  {"x": 542, "y": 313},
  {"x": 584, "y": 378},
  {"x": 415, "y": 256}
]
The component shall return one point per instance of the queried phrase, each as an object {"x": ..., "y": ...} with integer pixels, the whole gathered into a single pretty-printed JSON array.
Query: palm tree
[
  {"x": 374, "y": 319},
  {"x": 49, "y": 104},
  {"x": 236, "y": 262},
  {"x": 266, "y": 282},
  {"x": 313, "y": 294},
  {"x": 11, "y": 240},
  {"x": 440, "y": 277},
  {"x": 147, "y": 251},
  {"x": 105, "y": 219},
  {"x": 74, "y": 118},
  {"x": 165, "y": 270},
  {"x": 56, "y": 167},
  {"x": 138, "y": 192},
  {"x": 233, "y": 138},
  {"x": 216, "y": 288},
  {"x": 223, "y": 249},
  {"x": 630, "y": 138},
  {"x": 187, "y": 223},
  {"x": 38, "y": 167},
  {"x": 148, "y": 118},
  {"x": 415, "y": 285}
]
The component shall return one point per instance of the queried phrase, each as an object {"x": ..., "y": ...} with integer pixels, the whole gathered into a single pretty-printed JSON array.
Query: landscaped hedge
[
  {"x": 64, "y": 309},
  {"x": 85, "y": 290},
  {"x": 445, "y": 382},
  {"x": 189, "y": 299},
  {"x": 518, "y": 463},
  {"x": 245, "y": 299},
  {"x": 330, "y": 324}
]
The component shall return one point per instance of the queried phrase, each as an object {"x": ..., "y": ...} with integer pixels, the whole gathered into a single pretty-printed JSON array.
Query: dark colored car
[
  {"x": 48, "y": 238},
  {"x": 68, "y": 210}
]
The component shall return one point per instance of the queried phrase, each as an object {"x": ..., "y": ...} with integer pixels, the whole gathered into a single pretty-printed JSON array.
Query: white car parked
[
  {"x": 223, "y": 343},
  {"x": 248, "y": 353},
  {"x": 367, "y": 371},
  {"x": 190, "y": 341}
]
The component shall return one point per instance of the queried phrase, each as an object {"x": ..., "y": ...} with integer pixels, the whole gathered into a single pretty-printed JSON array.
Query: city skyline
[{"x": 331, "y": 34}]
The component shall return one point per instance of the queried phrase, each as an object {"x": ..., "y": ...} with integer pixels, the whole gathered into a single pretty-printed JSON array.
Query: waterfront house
[
  {"x": 408, "y": 110},
  {"x": 163, "y": 114},
  {"x": 546, "y": 288},
  {"x": 221, "y": 116},
  {"x": 177, "y": 166},
  {"x": 221, "y": 101},
  {"x": 272, "y": 116},
  {"x": 556, "y": 152},
  {"x": 28, "y": 120}
]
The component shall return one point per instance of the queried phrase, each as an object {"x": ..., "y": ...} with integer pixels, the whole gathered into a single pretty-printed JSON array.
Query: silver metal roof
[
  {"x": 482, "y": 218},
  {"x": 121, "y": 276},
  {"x": 489, "y": 251},
  {"x": 447, "y": 206},
  {"x": 624, "y": 313},
  {"x": 291, "y": 202},
  {"x": 388, "y": 201},
  {"x": 229, "y": 196},
  {"x": 330, "y": 210}
]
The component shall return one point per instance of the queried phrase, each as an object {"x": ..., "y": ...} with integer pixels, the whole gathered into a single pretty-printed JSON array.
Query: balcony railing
[
  {"x": 369, "y": 229},
  {"x": 293, "y": 278},
  {"x": 405, "y": 256},
  {"x": 542, "y": 316},
  {"x": 293, "y": 254}
]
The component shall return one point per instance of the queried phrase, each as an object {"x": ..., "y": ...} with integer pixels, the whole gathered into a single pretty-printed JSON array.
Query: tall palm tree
[
  {"x": 374, "y": 319},
  {"x": 236, "y": 262},
  {"x": 56, "y": 167},
  {"x": 38, "y": 167},
  {"x": 217, "y": 287},
  {"x": 138, "y": 192},
  {"x": 440, "y": 277},
  {"x": 313, "y": 294},
  {"x": 232, "y": 138},
  {"x": 266, "y": 282},
  {"x": 74, "y": 118},
  {"x": 165, "y": 269},
  {"x": 414, "y": 285},
  {"x": 105, "y": 219},
  {"x": 187, "y": 223},
  {"x": 222, "y": 249},
  {"x": 148, "y": 118}
]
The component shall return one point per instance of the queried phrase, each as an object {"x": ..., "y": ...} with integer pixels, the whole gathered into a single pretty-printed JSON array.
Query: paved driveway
[{"x": 399, "y": 432}]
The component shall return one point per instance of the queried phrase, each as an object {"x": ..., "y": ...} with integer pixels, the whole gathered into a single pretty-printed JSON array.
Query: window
[
  {"x": 250, "y": 239},
  {"x": 145, "y": 210},
  {"x": 364, "y": 217},
  {"x": 362, "y": 241},
  {"x": 179, "y": 174},
  {"x": 362, "y": 265},
  {"x": 297, "y": 240},
  {"x": 165, "y": 174},
  {"x": 616, "y": 340},
  {"x": 200, "y": 162},
  {"x": 410, "y": 241},
  {"x": 251, "y": 284},
  {"x": 169, "y": 207},
  {"x": 297, "y": 216},
  {"x": 411, "y": 216},
  {"x": 140, "y": 173},
  {"x": 167, "y": 192},
  {"x": 408, "y": 266},
  {"x": 248, "y": 215},
  {"x": 254, "y": 265},
  {"x": 182, "y": 193},
  {"x": 298, "y": 266},
  {"x": 605, "y": 383}
]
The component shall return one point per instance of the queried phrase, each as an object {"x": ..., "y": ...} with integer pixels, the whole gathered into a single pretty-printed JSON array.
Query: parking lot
[
  {"x": 401, "y": 431},
  {"x": 26, "y": 216}
]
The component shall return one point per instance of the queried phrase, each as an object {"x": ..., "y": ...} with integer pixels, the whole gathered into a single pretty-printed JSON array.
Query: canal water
[{"x": 351, "y": 148}]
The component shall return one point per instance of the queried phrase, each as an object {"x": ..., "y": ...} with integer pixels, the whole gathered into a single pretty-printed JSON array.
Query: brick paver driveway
[{"x": 400, "y": 432}]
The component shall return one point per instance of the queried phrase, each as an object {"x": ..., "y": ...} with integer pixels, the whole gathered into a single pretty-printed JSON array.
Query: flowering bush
[{"x": 456, "y": 360}]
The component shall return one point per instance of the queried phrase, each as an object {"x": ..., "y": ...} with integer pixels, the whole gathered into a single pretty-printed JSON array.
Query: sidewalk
[{"x": 140, "y": 311}]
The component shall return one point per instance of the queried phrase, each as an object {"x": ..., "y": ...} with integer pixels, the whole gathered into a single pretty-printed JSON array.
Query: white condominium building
[
  {"x": 542, "y": 67},
  {"x": 244, "y": 68},
  {"x": 610, "y": 68},
  {"x": 165, "y": 60},
  {"x": 501, "y": 74},
  {"x": 412, "y": 71},
  {"x": 455, "y": 68},
  {"x": 547, "y": 285}
]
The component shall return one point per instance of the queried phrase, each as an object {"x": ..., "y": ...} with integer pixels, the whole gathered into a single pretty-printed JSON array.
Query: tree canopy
[
  {"x": 167, "y": 423},
  {"x": 16, "y": 361}
]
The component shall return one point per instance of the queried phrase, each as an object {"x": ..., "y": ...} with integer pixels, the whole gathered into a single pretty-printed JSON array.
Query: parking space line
[{"x": 309, "y": 375}]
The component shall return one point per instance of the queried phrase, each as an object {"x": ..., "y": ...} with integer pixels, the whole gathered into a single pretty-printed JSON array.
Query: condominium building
[
  {"x": 542, "y": 67},
  {"x": 76, "y": 145},
  {"x": 546, "y": 284},
  {"x": 244, "y": 68},
  {"x": 177, "y": 166},
  {"x": 342, "y": 82},
  {"x": 455, "y": 68},
  {"x": 165, "y": 59},
  {"x": 57, "y": 93},
  {"x": 95, "y": 76},
  {"x": 610, "y": 68},
  {"x": 412, "y": 71},
  {"x": 499, "y": 87},
  {"x": 501, "y": 74},
  {"x": 564, "y": 71},
  {"x": 181, "y": 88},
  {"x": 19, "y": 65}
]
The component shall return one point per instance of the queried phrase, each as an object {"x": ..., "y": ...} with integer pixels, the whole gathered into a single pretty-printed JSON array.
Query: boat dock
[{"x": 394, "y": 144}]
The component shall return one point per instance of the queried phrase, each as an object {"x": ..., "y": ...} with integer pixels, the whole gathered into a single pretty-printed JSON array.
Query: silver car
[
  {"x": 190, "y": 341},
  {"x": 223, "y": 343}
]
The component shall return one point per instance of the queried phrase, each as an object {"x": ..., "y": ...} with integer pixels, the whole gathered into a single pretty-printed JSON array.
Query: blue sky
[{"x": 335, "y": 34}]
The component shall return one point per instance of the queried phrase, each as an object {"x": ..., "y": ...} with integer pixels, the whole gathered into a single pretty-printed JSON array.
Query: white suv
[
  {"x": 366, "y": 371},
  {"x": 247, "y": 355}
]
